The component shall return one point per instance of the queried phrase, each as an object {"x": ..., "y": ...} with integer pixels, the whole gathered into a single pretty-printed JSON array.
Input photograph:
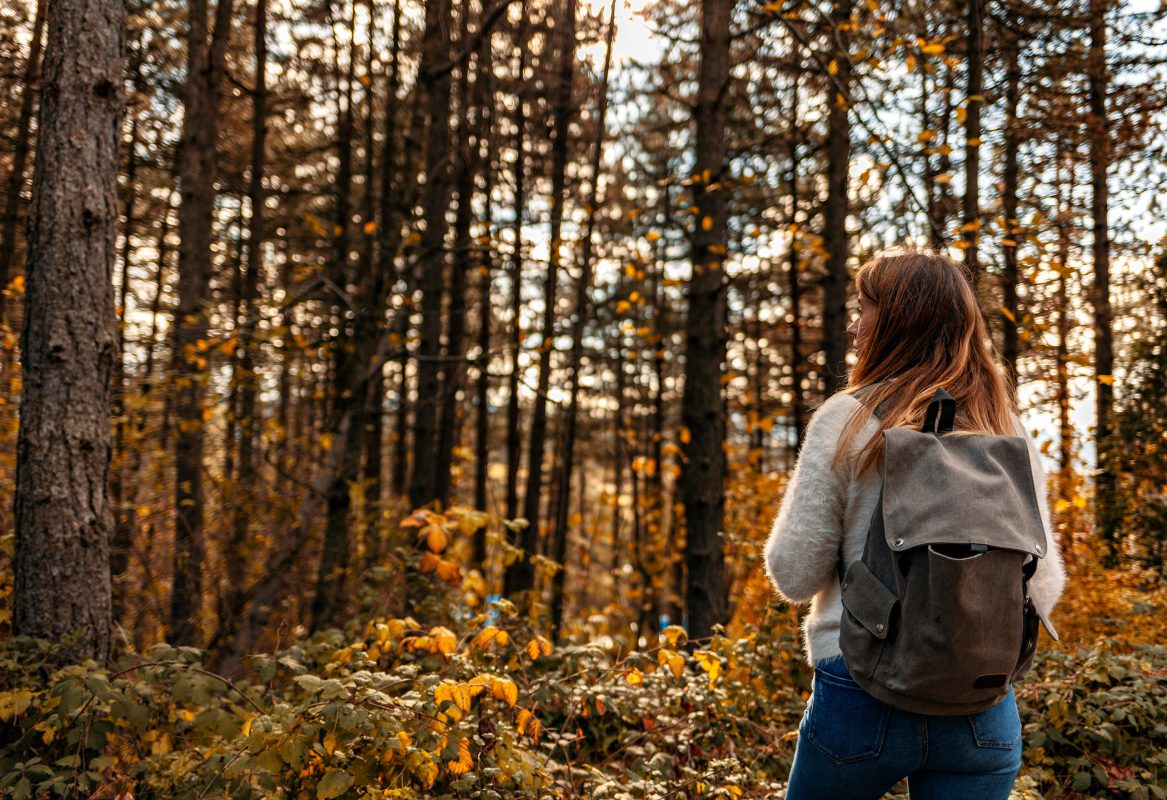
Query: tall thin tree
[
  {"x": 702, "y": 410},
  {"x": 197, "y": 168}
]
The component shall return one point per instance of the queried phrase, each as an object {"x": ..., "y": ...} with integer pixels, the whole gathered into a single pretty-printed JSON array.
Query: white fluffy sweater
[{"x": 822, "y": 507}]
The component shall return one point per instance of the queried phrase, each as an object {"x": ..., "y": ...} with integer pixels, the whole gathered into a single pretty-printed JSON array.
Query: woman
[{"x": 919, "y": 328}]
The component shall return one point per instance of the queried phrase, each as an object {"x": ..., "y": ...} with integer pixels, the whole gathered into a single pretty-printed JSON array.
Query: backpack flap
[
  {"x": 959, "y": 489},
  {"x": 871, "y": 603}
]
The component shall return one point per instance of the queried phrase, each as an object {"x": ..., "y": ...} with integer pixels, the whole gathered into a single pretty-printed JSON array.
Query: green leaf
[{"x": 334, "y": 783}]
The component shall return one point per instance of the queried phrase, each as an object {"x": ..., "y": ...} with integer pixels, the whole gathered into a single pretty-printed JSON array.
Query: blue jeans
[{"x": 854, "y": 747}]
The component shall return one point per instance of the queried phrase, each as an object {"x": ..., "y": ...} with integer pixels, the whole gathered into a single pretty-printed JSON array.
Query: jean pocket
[
  {"x": 843, "y": 721},
  {"x": 998, "y": 727}
]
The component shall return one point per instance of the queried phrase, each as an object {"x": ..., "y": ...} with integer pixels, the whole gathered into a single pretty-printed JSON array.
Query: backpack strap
[{"x": 942, "y": 405}]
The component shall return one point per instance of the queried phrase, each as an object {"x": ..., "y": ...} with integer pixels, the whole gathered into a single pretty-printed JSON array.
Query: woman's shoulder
[{"x": 831, "y": 416}]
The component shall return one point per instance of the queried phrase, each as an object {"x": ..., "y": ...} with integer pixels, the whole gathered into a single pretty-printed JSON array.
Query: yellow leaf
[
  {"x": 633, "y": 677},
  {"x": 674, "y": 634},
  {"x": 710, "y": 663},
  {"x": 370, "y": 227},
  {"x": 13, "y": 704},
  {"x": 707, "y": 223},
  {"x": 464, "y": 763},
  {"x": 1007, "y": 314},
  {"x": 652, "y": 236},
  {"x": 329, "y": 742},
  {"x": 444, "y": 639},
  {"x": 1107, "y": 379},
  {"x": 435, "y": 538},
  {"x": 622, "y": 306},
  {"x": 365, "y": 80},
  {"x": 943, "y": 177},
  {"x": 490, "y": 635},
  {"x": 505, "y": 690},
  {"x": 933, "y": 49},
  {"x": 537, "y": 647},
  {"x": 686, "y": 436},
  {"x": 326, "y": 441}
]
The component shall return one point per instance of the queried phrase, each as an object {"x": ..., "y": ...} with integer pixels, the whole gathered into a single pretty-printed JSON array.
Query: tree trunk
[
  {"x": 69, "y": 344},
  {"x": 582, "y": 313},
  {"x": 1010, "y": 312},
  {"x": 123, "y": 526},
  {"x": 834, "y": 333},
  {"x": 468, "y": 158},
  {"x": 702, "y": 410},
  {"x": 516, "y": 330},
  {"x": 485, "y": 268},
  {"x": 524, "y": 570},
  {"x": 348, "y": 399},
  {"x": 197, "y": 166},
  {"x": 797, "y": 357},
  {"x": 432, "y": 259},
  {"x": 1097, "y": 127},
  {"x": 20, "y": 149},
  {"x": 974, "y": 56},
  {"x": 238, "y": 549}
]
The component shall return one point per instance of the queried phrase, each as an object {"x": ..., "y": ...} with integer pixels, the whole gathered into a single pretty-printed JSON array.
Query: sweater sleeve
[
  {"x": 803, "y": 546},
  {"x": 1045, "y": 587}
]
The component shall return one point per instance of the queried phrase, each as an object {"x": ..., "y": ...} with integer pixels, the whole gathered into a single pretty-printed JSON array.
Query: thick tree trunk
[
  {"x": 20, "y": 149},
  {"x": 63, "y": 516},
  {"x": 1097, "y": 127},
  {"x": 834, "y": 334},
  {"x": 702, "y": 410},
  {"x": 435, "y": 202},
  {"x": 197, "y": 167}
]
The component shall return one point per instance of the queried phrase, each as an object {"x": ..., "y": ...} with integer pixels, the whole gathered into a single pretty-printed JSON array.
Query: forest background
[{"x": 396, "y": 394}]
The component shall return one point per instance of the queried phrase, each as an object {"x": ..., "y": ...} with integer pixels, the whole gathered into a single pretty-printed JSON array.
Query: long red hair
[{"x": 928, "y": 333}]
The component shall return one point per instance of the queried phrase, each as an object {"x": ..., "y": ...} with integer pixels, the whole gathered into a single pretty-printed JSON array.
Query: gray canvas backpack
[{"x": 937, "y": 616}]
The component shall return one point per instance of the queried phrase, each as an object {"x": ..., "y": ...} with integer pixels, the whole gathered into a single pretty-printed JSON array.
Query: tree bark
[
  {"x": 797, "y": 357},
  {"x": 1097, "y": 128},
  {"x": 702, "y": 412},
  {"x": 238, "y": 549},
  {"x": 435, "y": 202},
  {"x": 197, "y": 167},
  {"x": 582, "y": 313},
  {"x": 69, "y": 342},
  {"x": 1010, "y": 312},
  {"x": 20, "y": 149},
  {"x": 834, "y": 333},
  {"x": 466, "y": 176},
  {"x": 516, "y": 278},
  {"x": 971, "y": 226},
  {"x": 348, "y": 399},
  {"x": 524, "y": 572}
]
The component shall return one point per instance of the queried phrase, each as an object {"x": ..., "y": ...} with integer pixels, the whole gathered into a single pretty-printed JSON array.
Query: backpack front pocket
[{"x": 960, "y": 637}]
